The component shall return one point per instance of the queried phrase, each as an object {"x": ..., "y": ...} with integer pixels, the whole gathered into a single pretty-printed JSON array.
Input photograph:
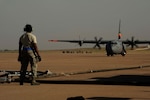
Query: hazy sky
[{"x": 69, "y": 19}]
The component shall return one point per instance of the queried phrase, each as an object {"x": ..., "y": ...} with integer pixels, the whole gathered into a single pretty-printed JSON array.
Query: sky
[{"x": 72, "y": 20}]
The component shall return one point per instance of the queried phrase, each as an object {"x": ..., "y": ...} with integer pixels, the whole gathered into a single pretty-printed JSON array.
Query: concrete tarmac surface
[{"x": 91, "y": 75}]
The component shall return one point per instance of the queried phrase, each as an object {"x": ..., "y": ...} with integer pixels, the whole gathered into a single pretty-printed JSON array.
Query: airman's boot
[
  {"x": 21, "y": 79},
  {"x": 33, "y": 82}
]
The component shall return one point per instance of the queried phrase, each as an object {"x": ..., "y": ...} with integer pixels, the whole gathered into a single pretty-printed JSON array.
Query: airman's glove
[{"x": 38, "y": 58}]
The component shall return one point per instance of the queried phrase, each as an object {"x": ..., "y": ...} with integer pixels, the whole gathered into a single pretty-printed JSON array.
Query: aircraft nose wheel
[{"x": 123, "y": 53}]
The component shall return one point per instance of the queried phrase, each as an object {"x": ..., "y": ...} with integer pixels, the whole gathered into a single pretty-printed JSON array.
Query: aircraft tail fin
[{"x": 119, "y": 33}]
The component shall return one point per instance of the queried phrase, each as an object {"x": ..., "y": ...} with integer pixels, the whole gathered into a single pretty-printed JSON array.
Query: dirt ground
[{"x": 107, "y": 78}]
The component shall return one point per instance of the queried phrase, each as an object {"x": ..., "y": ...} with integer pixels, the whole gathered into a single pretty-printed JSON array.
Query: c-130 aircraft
[{"x": 112, "y": 46}]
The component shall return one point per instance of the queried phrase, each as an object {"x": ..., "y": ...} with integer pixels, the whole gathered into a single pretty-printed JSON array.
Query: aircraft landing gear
[
  {"x": 123, "y": 53},
  {"x": 108, "y": 54}
]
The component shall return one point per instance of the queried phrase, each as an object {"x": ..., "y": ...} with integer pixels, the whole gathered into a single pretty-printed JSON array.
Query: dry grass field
[{"x": 60, "y": 88}]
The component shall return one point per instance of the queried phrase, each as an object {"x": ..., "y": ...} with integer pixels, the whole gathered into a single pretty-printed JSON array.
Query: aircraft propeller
[
  {"x": 80, "y": 41},
  {"x": 132, "y": 43},
  {"x": 98, "y": 42}
]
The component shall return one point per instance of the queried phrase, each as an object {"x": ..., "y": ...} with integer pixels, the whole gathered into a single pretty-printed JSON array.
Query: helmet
[{"x": 28, "y": 28}]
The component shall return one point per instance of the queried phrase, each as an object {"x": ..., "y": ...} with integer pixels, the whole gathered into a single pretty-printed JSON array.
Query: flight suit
[{"x": 28, "y": 56}]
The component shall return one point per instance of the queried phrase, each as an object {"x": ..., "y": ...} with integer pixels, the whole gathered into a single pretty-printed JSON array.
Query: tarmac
[{"x": 93, "y": 76}]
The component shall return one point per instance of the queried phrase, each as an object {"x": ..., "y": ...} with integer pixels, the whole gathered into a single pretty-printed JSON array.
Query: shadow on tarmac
[
  {"x": 136, "y": 80},
  {"x": 107, "y": 98},
  {"x": 96, "y": 98}
]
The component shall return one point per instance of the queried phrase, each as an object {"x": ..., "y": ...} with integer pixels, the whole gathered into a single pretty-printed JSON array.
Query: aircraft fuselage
[{"x": 115, "y": 47}]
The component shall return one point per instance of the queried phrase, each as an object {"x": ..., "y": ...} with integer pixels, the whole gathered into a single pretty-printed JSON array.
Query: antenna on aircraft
[{"x": 119, "y": 33}]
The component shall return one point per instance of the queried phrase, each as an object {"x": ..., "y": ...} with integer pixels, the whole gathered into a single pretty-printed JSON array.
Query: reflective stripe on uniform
[{"x": 27, "y": 48}]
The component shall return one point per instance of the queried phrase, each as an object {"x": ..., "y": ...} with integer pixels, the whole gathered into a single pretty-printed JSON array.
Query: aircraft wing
[
  {"x": 136, "y": 42},
  {"x": 94, "y": 42},
  {"x": 77, "y": 41},
  {"x": 72, "y": 41},
  {"x": 80, "y": 42}
]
